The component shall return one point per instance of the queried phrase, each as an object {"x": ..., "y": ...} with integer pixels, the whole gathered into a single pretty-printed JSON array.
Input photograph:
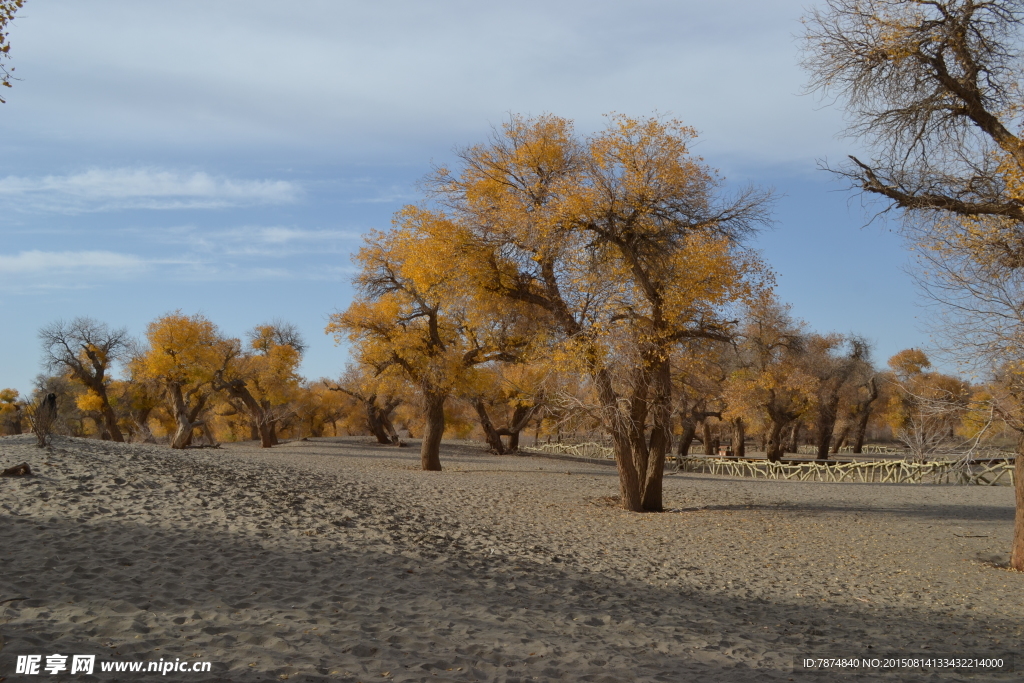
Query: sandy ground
[{"x": 337, "y": 560}]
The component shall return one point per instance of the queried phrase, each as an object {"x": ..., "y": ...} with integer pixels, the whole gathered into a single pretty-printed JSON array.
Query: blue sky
[{"x": 225, "y": 158}]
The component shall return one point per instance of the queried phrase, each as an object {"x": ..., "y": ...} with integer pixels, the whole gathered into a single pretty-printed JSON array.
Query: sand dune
[{"x": 336, "y": 560}]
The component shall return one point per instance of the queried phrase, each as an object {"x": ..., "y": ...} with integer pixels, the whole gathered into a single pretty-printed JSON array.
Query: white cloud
[
  {"x": 141, "y": 188},
  {"x": 37, "y": 262},
  {"x": 257, "y": 241}
]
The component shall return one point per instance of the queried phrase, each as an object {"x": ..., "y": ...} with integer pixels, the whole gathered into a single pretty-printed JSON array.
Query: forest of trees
[
  {"x": 775, "y": 387},
  {"x": 772, "y": 387},
  {"x": 555, "y": 285}
]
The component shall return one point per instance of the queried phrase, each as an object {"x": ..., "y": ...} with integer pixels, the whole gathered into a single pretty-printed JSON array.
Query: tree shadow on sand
[{"x": 329, "y": 609}]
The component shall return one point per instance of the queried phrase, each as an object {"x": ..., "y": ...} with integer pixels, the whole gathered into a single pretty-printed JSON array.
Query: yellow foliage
[
  {"x": 182, "y": 349},
  {"x": 89, "y": 402},
  {"x": 8, "y": 399}
]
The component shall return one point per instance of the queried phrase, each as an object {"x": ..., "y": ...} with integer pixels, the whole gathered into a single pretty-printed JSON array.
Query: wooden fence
[
  {"x": 871, "y": 449},
  {"x": 579, "y": 450},
  {"x": 878, "y": 471}
]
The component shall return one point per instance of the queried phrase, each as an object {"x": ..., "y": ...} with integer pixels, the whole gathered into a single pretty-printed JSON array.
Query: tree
[
  {"x": 263, "y": 379},
  {"x": 11, "y": 411},
  {"x": 7, "y": 10},
  {"x": 770, "y": 389},
  {"x": 627, "y": 244},
  {"x": 184, "y": 355},
  {"x": 857, "y": 408},
  {"x": 934, "y": 88},
  {"x": 699, "y": 370},
  {"x": 515, "y": 392},
  {"x": 86, "y": 350},
  {"x": 925, "y": 409},
  {"x": 830, "y": 370},
  {"x": 43, "y": 416},
  {"x": 377, "y": 401},
  {"x": 319, "y": 406},
  {"x": 412, "y": 320},
  {"x": 69, "y": 420}
]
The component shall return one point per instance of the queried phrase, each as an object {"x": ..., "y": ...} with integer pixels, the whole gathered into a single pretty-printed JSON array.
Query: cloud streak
[
  {"x": 262, "y": 241},
  {"x": 140, "y": 188},
  {"x": 36, "y": 262}
]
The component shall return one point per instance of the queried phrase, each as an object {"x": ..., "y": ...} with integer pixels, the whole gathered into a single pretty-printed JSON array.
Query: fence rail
[{"x": 878, "y": 471}]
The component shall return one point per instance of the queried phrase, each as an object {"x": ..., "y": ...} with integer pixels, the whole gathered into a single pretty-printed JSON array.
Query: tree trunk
[
  {"x": 773, "y": 448},
  {"x": 184, "y": 417},
  {"x": 1017, "y": 551},
  {"x": 110, "y": 420},
  {"x": 706, "y": 438},
  {"x": 739, "y": 446},
  {"x": 208, "y": 433},
  {"x": 661, "y": 439},
  {"x": 864, "y": 416},
  {"x": 630, "y": 493},
  {"x": 840, "y": 440},
  {"x": 520, "y": 419},
  {"x": 794, "y": 438},
  {"x": 629, "y": 481},
  {"x": 826, "y": 424},
  {"x": 258, "y": 413},
  {"x": 490, "y": 433},
  {"x": 430, "y": 450},
  {"x": 385, "y": 420},
  {"x": 686, "y": 438},
  {"x": 374, "y": 421}
]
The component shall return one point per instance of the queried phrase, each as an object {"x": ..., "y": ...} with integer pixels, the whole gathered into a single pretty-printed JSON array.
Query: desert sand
[{"x": 337, "y": 560}]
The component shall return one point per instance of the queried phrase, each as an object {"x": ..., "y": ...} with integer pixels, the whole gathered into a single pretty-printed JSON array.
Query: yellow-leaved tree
[
  {"x": 377, "y": 396},
  {"x": 413, "y": 320},
  {"x": 11, "y": 411},
  {"x": 769, "y": 387},
  {"x": 263, "y": 380},
  {"x": 926, "y": 409},
  {"x": 184, "y": 354},
  {"x": 699, "y": 370},
  {"x": 625, "y": 242}
]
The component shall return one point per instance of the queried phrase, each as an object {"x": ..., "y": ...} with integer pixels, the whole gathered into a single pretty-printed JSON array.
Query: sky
[{"x": 225, "y": 158}]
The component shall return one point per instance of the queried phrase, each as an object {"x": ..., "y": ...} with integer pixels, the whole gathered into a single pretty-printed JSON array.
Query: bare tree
[
  {"x": 934, "y": 89},
  {"x": 43, "y": 417},
  {"x": 930, "y": 417},
  {"x": 86, "y": 350}
]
